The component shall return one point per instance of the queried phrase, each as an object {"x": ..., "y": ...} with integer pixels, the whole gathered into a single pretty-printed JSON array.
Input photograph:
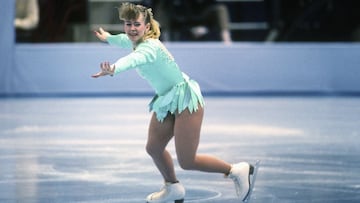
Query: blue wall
[
  {"x": 6, "y": 44},
  {"x": 63, "y": 69},
  {"x": 242, "y": 67}
]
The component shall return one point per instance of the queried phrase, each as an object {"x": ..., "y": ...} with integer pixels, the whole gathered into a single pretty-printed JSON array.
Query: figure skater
[{"x": 178, "y": 105}]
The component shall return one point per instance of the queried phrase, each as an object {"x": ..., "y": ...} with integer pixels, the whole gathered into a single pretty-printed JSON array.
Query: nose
[{"x": 132, "y": 27}]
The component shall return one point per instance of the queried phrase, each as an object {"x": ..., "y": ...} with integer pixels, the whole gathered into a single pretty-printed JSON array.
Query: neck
[{"x": 135, "y": 44}]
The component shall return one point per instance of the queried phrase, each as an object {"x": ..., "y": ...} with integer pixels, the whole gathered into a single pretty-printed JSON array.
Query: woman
[{"x": 177, "y": 106}]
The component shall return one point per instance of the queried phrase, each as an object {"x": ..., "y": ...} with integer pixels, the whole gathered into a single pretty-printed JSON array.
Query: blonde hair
[{"x": 129, "y": 11}]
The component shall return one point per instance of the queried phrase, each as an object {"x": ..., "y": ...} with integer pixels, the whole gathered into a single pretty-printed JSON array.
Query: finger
[
  {"x": 101, "y": 30},
  {"x": 103, "y": 67},
  {"x": 100, "y": 34},
  {"x": 98, "y": 74},
  {"x": 97, "y": 34},
  {"x": 95, "y": 75},
  {"x": 110, "y": 69},
  {"x": 106, "y": 67}
]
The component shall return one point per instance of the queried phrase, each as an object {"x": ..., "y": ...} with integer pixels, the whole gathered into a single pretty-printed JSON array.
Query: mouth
[{"x": 133, "y": 34}]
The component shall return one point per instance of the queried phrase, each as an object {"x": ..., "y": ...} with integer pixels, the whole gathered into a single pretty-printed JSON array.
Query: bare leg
[
  {"x": 159, "y": 136},
  {"x": 187, "y": 135}
]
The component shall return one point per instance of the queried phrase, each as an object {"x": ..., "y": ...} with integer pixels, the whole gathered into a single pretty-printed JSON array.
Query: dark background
[{"x": 295, "y": 20}]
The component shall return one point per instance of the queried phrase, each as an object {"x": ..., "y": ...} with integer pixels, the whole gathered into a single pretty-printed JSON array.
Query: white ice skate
[
  {"x": 169, "y": 193},
  {"x": 243, "y": 174}
]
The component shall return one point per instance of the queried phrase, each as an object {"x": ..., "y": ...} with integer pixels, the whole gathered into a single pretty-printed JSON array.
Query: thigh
[
  {"x": 187, "y": 133},
  {"x": 160, "y": 133}
]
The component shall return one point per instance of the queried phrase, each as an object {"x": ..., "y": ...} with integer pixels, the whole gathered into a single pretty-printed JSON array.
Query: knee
[
  {"x": 187, "y": 164},
  {"x": 152, "y": 150}
]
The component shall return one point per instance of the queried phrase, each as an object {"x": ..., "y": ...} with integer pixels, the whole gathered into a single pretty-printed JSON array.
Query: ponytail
[{"x": 154, "y": 31}]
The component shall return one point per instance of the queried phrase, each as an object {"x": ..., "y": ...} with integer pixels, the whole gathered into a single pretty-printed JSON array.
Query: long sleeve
[
  {"x": 145, "y": 54},
  {"x": 153, "y": 63},
  {"x": 120, "y": 40}
]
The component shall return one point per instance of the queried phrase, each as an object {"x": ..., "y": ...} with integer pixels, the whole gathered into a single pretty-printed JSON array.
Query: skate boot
[
  {"x": 169, "y": 193},
  {"x": 240, "y": 174}
]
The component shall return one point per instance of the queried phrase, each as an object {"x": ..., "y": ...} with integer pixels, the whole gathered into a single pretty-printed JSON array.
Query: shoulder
[
  {"x": 157, "y": 48},
  {"x": 150, "y": 44}
]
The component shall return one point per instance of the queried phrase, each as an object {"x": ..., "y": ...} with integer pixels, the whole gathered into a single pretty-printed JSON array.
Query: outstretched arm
[{"x": 144, "y": 54}]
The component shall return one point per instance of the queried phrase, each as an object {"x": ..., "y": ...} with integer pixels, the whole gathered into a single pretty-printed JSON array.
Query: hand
[
  {"x": 101, "y": 34},
  {"x": 106, "y": 69}
]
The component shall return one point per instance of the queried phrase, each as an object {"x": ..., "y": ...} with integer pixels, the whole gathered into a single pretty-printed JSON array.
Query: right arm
[{"x": 120, "y": 40}]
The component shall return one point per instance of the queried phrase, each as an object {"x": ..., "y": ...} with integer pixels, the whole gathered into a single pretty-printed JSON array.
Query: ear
[{"x": 148, "y": 27}]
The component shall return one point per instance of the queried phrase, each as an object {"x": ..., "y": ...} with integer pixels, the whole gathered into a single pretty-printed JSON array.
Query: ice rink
[{"x": 93, "y": 149}]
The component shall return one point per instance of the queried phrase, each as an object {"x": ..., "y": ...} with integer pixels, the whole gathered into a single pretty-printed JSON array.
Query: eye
[{"x": 137, "y": 24}]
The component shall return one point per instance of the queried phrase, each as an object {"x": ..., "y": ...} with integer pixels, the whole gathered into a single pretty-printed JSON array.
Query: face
[{"x": 135, "y": 29}]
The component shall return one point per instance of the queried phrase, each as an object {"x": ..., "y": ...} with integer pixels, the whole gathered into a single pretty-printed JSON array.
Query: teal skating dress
[{"x": 175, "y": 91}]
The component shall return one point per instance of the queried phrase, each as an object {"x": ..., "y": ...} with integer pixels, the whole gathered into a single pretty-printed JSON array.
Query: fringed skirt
[{"x": 186, "y": 94}]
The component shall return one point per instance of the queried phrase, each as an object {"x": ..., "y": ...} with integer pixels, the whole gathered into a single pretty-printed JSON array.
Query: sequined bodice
[{"x": 151, "y": 60}]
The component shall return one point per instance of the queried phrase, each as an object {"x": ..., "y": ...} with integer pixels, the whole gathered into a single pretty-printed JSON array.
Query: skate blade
[
  {"x": 175, "y": 201},
  {"x": 252, "y": 181}
]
